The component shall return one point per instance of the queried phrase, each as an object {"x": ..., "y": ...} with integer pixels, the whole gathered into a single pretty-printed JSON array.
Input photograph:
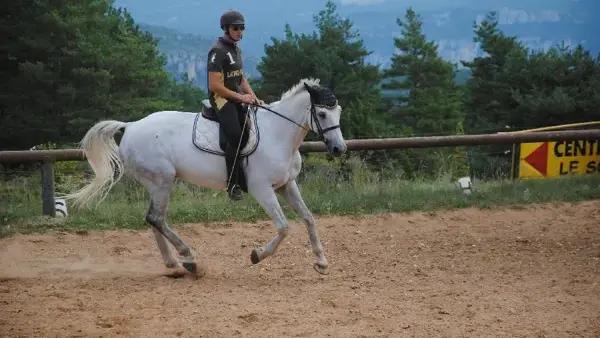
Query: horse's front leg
[
  {"x": 291, "y": 193},
  {"x": 266, "y": 197}
]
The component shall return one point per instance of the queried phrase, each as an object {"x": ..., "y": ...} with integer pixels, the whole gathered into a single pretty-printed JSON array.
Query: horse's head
[{"x": 325, "y": 118}]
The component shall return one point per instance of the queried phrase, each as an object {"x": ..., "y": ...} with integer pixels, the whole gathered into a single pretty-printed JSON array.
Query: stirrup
[{"x": 235, "y": 193}]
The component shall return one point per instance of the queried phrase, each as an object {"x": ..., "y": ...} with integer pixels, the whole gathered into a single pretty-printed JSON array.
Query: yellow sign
[{"x": 551, "y": 159}]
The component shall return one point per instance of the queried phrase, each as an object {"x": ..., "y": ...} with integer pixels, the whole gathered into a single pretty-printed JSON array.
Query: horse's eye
[{"x": 321, "y": 114}]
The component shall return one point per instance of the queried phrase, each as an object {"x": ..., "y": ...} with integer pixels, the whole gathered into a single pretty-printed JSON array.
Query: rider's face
[{"x": 236, "y": 32}]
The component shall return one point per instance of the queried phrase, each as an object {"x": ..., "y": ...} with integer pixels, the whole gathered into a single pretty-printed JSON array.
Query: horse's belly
[{"x": 202, "y": 169}]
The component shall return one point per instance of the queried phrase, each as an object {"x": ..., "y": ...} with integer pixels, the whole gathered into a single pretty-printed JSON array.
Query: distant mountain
[
  {"x": 187, "y": 53},
  {"x": 453, "y": 30},
  {"x": 539, "y": 24}
]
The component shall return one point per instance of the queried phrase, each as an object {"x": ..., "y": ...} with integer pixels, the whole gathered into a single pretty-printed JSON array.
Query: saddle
[
  {"x": 207, "y": 133},
  {"x": 208, "y": 136},
  {"x": 208, "y": 112}
]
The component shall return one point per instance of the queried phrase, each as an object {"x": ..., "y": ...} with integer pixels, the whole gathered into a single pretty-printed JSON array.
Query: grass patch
[{"x": 127, "y": 203}]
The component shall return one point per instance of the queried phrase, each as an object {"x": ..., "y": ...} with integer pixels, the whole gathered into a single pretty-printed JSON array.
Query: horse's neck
[{"x": 286, "y": 135}]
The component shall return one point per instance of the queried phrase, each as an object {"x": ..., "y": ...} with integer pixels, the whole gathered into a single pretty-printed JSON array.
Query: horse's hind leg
[
  {"x": 291, "y": 194},
  {"x": 160, "y": 187},
  {"x": 165, "y": 250}
]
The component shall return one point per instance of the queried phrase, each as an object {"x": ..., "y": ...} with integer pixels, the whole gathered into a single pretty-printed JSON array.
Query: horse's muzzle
[{"x": 336, "y": 149}]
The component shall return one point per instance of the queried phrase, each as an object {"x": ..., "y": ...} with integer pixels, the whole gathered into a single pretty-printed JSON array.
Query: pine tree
[
  {"x": 491, "y": 106},
  {"x": 333, "y": 53},
  {"x": 428, "y": 102},
  {"x": 67, "y": 64},
  {"x": 558, "y": 86},
  {"x": 491, "y": 97},
  {"x": 522, "y": 89}
]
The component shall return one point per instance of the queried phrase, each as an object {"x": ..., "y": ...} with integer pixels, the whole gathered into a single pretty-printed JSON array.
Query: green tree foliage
[
  {"x": 336, "y": 55},
  {"x": 185, "y": 95},
  {"x": 427, "y": 100},
  {"x": 67, "y": 64},
  {"x": 561, "y": 85},
  {"x": 490, "y": 98},
  {"x": 514, "y": 88}
]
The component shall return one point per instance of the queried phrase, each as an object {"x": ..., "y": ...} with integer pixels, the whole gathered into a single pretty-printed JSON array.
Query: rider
[{"x": 228, "y": 88}]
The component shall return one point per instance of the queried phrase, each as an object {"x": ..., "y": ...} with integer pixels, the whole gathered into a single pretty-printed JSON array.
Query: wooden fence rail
[{"x": 48, "y": 157}]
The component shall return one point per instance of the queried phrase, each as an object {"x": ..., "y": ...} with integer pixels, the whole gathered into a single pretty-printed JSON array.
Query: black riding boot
[
  {"x": 230, "y": 134},
  {"x": 233, "y": 174}
]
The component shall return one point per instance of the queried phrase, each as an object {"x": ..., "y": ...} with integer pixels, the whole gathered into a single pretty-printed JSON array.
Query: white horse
[{"x": 158, "y": 149}]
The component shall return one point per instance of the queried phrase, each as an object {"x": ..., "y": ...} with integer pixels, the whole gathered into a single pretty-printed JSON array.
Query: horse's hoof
[
  {"x": 191, "y": 267},
  {"x": 175, "y": 272},
  {"x": 321, "y": 268},
  {"x": 195, "y": 270},
  {"x": 254, "y": 257}
]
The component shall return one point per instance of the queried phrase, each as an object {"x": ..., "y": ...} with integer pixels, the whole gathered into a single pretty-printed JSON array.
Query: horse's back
[
  {"x": 172, "y": 116},
  {"x": 161, "y": 127},
  {"x": 162, "y": 143},
  {"x": 165, "y": 120}
]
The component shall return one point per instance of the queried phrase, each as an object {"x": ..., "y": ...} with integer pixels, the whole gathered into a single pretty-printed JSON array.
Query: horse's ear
[{"x": 308, "y": 88}]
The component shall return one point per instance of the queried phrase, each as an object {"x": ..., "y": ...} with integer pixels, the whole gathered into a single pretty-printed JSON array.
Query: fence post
[{"x": 47, "y": 180}]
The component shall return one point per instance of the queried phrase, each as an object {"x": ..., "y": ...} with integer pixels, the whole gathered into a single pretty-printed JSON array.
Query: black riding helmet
[{"x": 231, "y": 17}]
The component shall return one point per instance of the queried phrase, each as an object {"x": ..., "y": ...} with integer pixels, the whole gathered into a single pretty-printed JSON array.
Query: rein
[{"x": 313, "y": 117}]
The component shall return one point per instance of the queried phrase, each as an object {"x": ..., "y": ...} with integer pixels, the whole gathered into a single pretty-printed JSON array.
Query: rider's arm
[
  {"x": 216, "y": 78},
  {"x": 246, "y": 87}
]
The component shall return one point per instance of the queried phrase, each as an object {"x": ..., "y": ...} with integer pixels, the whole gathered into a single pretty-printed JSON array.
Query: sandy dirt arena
[{"x": 512, "y": 272}]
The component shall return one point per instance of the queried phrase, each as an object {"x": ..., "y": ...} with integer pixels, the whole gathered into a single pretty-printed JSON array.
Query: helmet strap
[{"x": 227, "y": 34}]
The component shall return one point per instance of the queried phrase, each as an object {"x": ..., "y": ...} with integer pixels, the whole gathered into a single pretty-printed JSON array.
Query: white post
[{"x": 465, "y": 184}]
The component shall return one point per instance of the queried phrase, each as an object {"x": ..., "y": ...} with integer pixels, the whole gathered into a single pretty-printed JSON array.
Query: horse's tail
[{"x": 102, "y": 153}]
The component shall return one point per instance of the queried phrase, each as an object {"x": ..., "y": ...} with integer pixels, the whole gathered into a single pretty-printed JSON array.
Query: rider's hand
[
  {"x": 257, "y": 100},
  {"x": 247, "y": 98}
]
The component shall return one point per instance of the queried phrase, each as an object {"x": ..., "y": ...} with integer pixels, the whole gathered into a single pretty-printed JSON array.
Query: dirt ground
[{"x": 526, "y": 272}]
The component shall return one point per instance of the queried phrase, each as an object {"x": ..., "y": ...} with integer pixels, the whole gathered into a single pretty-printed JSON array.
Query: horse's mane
[{"x": 299, "y": 87}]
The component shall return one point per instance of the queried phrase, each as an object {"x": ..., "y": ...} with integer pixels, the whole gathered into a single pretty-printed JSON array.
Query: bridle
[{"x": 313, "y": 118}]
